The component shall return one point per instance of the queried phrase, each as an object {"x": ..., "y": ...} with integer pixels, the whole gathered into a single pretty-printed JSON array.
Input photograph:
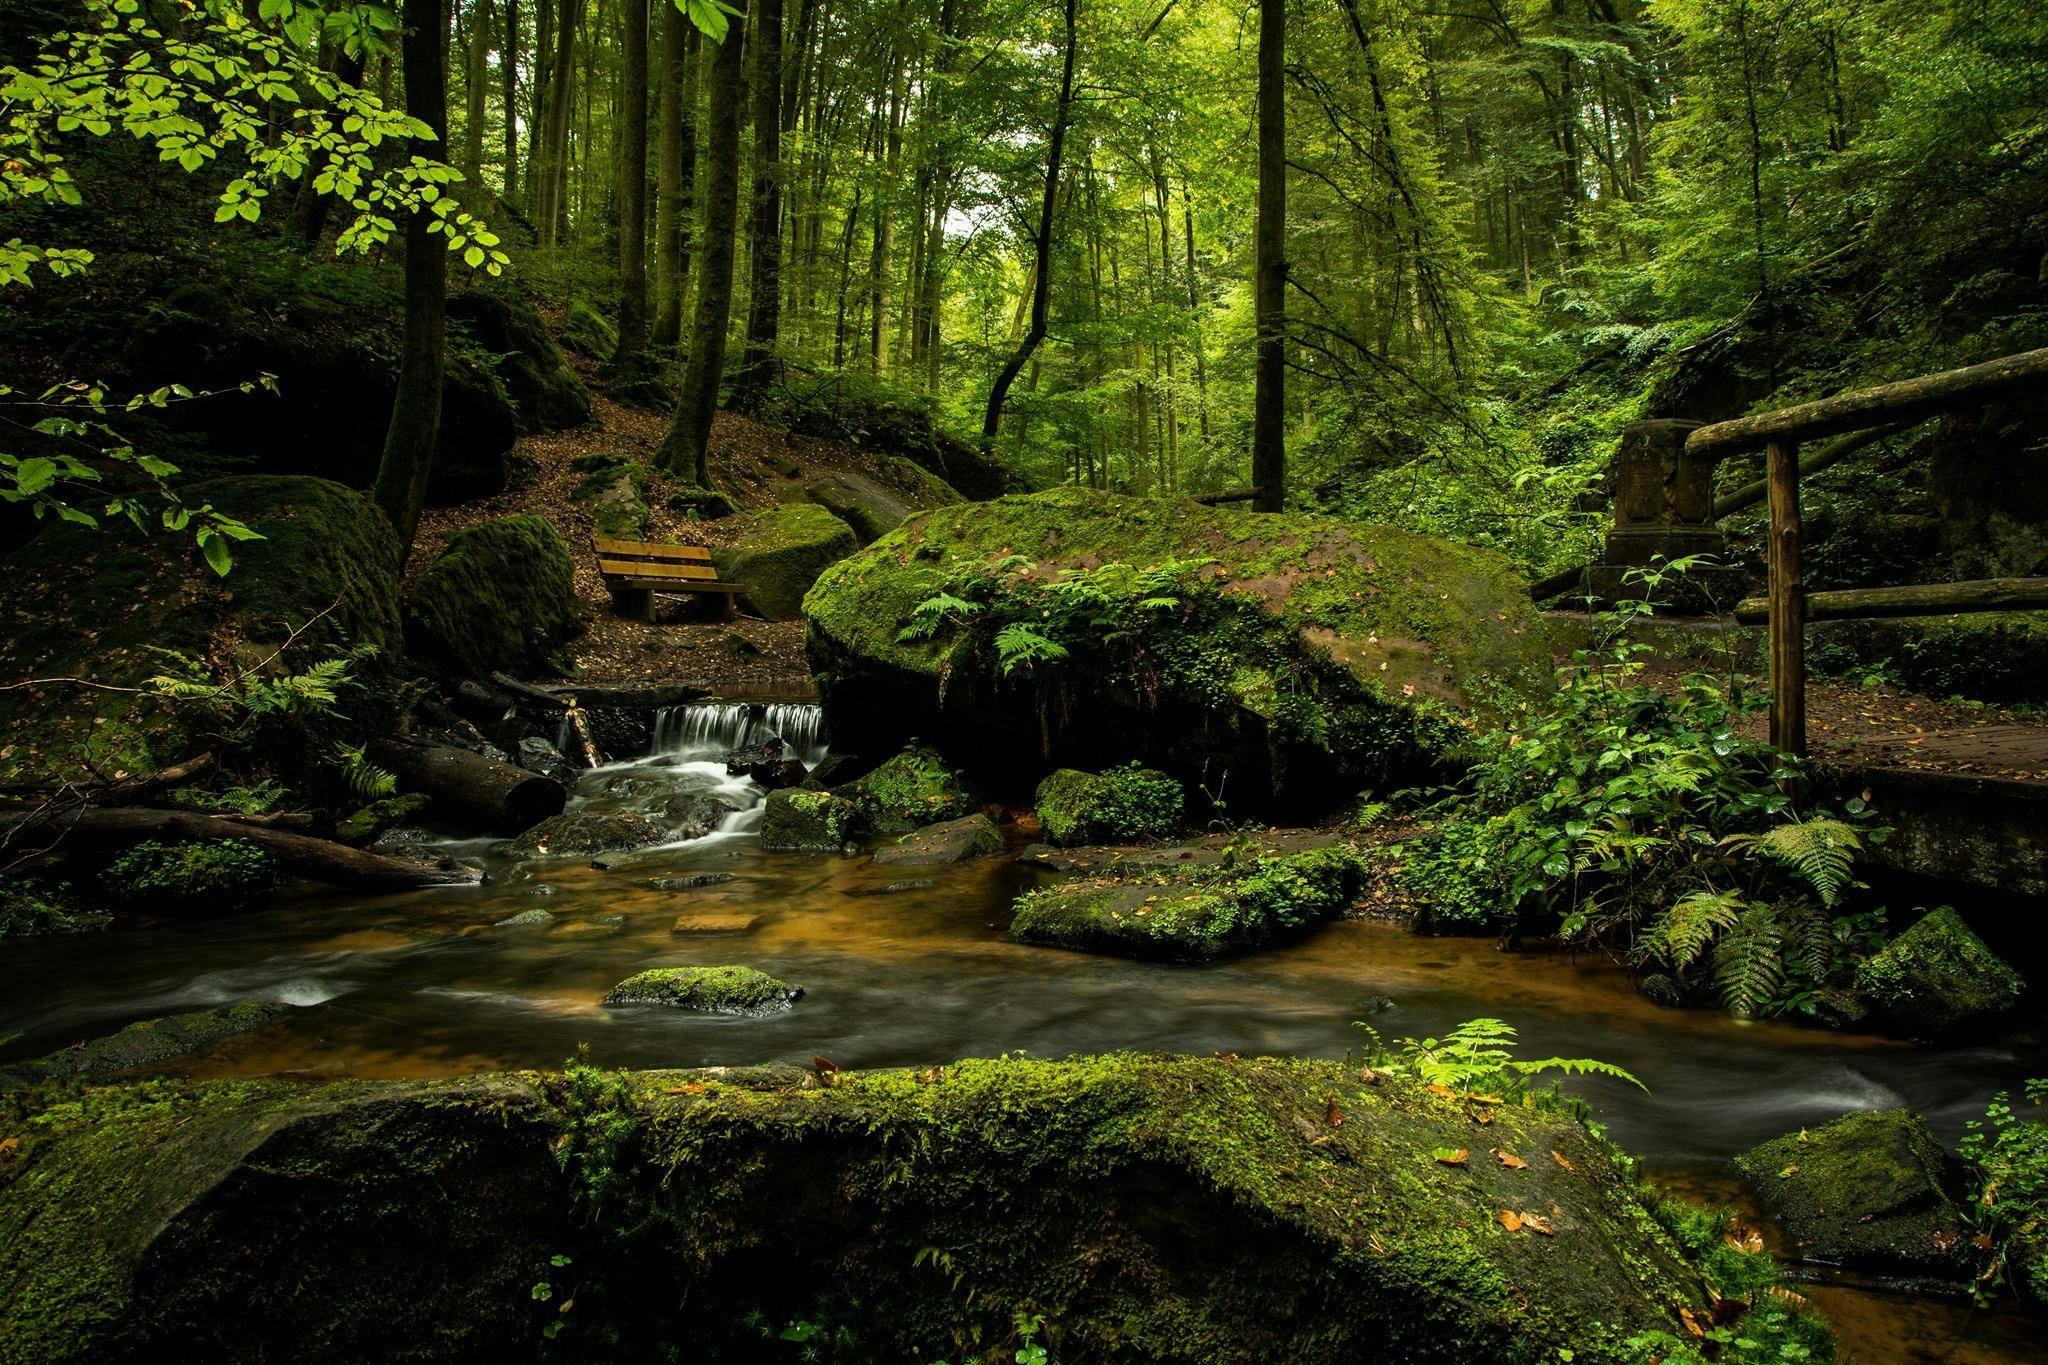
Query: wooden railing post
[{"x": 1788, "y": 600}]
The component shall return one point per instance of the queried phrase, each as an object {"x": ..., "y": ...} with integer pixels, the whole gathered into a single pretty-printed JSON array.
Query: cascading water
[{"x": 716, "y": 728}]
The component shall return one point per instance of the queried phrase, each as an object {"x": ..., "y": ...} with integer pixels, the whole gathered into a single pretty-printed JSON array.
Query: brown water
[{"x": 423, "y": 984}]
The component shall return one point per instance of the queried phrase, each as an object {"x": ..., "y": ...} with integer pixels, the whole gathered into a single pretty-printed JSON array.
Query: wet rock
[
  {"x": 1868, "y": 1191},
  {"x": 371, "y": 822},
  {"x": 707, "y": 990},
  {"x": 596, "y": 927},
  {"x": 689, "y": 815},
  {"x": 716, "y": 922},
  {"x": 537, "y": 755},
  {"x": 535, "y": 918},
  {"x": 692, "y": 882},
  {"x": 1938, "y": 978},
  {"x": 1193, "y": 915},
  {"x": 795, "y": 821},
  {"x": 915, "y": 788},
  {"x": 1141, "y": 1202},
  {"x": 630, "y": 786},
  {"x": 581, "y": 834},
  {"x": 150, "y": 1042},
  {"x": 1128, "y": 805},
  {"x": 499, "y": 595},
  {"x": 542, "y": 890},
  {"x": 836, "y": 770},
  {"x": 538, "y": 380},
  {"x": 479, "y": 704},
  {"x": 894, "y": 888},
  {"x": 781, "y": 553},
  {"x": 870, "y": 509},
  {"x": 950, "y": 841}
]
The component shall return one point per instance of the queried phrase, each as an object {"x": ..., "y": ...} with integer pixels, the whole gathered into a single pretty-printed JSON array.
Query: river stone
[
  {"x": 794, "y": 821},
  {"x": 535, "y": 918},
  {"x": 581, "y": 834},
  {"x": 1311, "y": 657},
  {"x": 1938, "y": 978},
  {"x": 1868, "y": 1191},
  {"x": 716, "y": 922},
  {"x": 950, "y": 841},
  {"x": 371, "y": 822},
  {"x": 1157, "y": 1208},
  {"x": 537, "y": 755},
  {"x": 915, "y": 788},
  {"x": 689, "y": 815},
  {"x": 707, "y": 990},
  {"x": 596, "y": 927},
  {"x": 150, "y": 1042},
  {"x": 690, "y": 883},
  {"x": 781, "y": 553},
  {"x": 1130, "y": 805}
]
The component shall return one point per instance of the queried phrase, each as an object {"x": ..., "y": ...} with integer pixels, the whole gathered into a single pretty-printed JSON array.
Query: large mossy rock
[
  {"x": 540, "y": 383},
  {"x": 796, "y": 821},
  {"x": 1128, "y": 805},
  {"x": 587, "y": 833},
  {"x": 1155, "y": 1208},
  {"x": 872, "y": 509},
  {"x": 914, "y": 788},
  {"x": 612, "y": 488},
  {"x": 101, "y": 604},
  {"x": 500, "y": 595},
  {"x": 780, "y": 555},
  {"x": 1868, "y": 1191},
  {"x": 1147, "y": 910},
  {"x": 1299, "y": 659},
  {"x": 150, "y": 1042},
  {"x": 1939, "y": 979}
]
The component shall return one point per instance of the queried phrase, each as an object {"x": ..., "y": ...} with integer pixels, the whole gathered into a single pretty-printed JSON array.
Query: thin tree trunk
[
  {"x": 885, "y": 224},
  {"x": 476, "y": 77},
  {"x": 764, "y": 233},
  {"x": 632, "y": 125},
  {"x": 1195, "y": 312},
  {"x": 685, "y": 450},
  {"x": 676, "y": 173},
  {"x": 1041, "y": 291},
  {"x": 1269, "y": 293},
  {"x": 415, "y": 429},
  {"x": 508, "y": 63},
  {"x": 550, "y": 204},
  {"x": 312, "y": 207},
  {"x": 540, "y": 100}
]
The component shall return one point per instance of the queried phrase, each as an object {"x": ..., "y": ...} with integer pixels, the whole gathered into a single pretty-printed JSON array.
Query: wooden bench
[{"x": 635, "y": 570}]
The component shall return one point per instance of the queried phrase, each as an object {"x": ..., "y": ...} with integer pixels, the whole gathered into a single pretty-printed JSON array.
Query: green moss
[
  {"x": 366, "y": 823},
  {"x": 781, "y": 553},
  {"x": 1131, "y": 804},
  {"x": 32, "y": 907},
  {"x": 794, "y": 820},
  {"x": 613, "y": 489},
  {"x": 500, "y": 595},
  {"x": 588, "y": 330},
  {"x": 707, "y": 990},
  {"x": 1192, "y": 916},
  {"x": 1867, "y": 1190},
  {"x": 1938, "y": 977},
  {"x": 915, "y": 788},
  {"x": 582, "y": 834},
  {"x": 150, "y": 1042},
  {"x": 190, "y": 877}
]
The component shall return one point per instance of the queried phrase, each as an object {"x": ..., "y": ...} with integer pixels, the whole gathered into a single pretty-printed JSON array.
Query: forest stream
[{"x": 908, "y": 967}]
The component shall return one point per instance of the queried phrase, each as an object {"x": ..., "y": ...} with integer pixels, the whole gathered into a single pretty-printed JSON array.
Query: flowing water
[{"x": 426, "y": 984}]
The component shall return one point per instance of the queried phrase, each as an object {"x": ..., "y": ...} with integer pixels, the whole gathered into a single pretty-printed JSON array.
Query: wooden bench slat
[
  {"x": 675, "y": 585},
  {"x": 629, "y": 568},
  {"x": 644, "y": 549}
]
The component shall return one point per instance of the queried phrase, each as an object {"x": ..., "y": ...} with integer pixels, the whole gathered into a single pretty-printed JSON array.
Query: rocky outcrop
[
  {"x": 950, "y": 841},
  {"x": 1938, "y": 978},
  {"x": 542, "y": 387},
  {"x": 613, "y": 490},
  {"x": 1288, "y": 661},
  {"x": 499, "y": 595},
  {"x": 1128, "y": 805},
  {"x": 872, "y": 509},
  {"x": 780, "y": 555},
  {"x": 1156, "y": 1208},
  {"x": 149, "y": 1043}
]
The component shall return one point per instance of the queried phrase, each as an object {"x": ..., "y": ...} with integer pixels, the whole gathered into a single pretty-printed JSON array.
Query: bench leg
[{"x": 633, "y": 604}]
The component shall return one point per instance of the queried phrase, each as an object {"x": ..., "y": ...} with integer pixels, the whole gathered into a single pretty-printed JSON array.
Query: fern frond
[
  {"x": 1749, "y": 964},
  {"x": 1683, "y": 932},
  {"x": 1577, "y": 1066},
  {"x": 1809, "y": 939},
  {"x": 1821, "y": 852}
]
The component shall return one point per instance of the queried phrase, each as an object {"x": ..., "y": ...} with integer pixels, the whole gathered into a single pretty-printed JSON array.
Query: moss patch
[
  {"x": 797, "y": 821},
  {"x": 582, "y": 834},
  {"x": 500, "y": 595},
  {"x": 32, "y": 907},
  {"x": 707, "y": 990},
  {"x": 613, "y": 489},
  {"x": 1128, "y": 805},
  {"x": 915, "y": 788},
  {"x": 190, "y": 877},
  {"x": 1938, "y": 977},
  {"x": 780, "y": 555},
  {"x": 152, "y": 1041}
]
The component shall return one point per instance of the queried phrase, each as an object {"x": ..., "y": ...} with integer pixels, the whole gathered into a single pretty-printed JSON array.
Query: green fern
[
  {"x": 1019, "y": 646},
  {"x": 1809, "y": 940},
  {"x": 1821, "y": 852},
  {"x": 1684, "y": 931},
  {"x": 1749, "y": 962},
  {"x": 1480, "y": 1052},
  {"x": 364, "y": 779}
]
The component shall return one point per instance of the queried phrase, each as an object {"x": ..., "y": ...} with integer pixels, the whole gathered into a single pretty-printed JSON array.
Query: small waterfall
[{"x": 713, "y": 729}]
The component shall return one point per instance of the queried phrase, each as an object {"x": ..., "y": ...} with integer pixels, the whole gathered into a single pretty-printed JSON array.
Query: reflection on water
[{"x": 424, "y": 984}]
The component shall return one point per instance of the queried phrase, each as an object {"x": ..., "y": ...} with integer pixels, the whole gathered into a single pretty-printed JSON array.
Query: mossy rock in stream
[
  {"x": 498, "y": 595},
  {"x": 101, "y": 605},
  {"x": 780, "y": 555},
  {"x": 1193, "y": 916},
  {"x": 149, "y": 1042},
  {"x": 191, "y": 877},
  {"x": 798, "y": 821},
  {"x": 914, "y": 788},
  {"x": 1288, "y": 661},
  {"x": 1154, "y": 1208},
  {"x": 586, "y": 833},
  {"x": 1868, "y": 1191},
  {"x": 707, "y": 990},
  {"x": 1938, "y": 978},
  {"x": 1128, "y": 805}
]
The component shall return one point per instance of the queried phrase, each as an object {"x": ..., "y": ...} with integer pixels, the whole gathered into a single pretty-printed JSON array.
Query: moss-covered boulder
[
  {"x": 511, "y": 331},
  {"x": 798, "y": 821},
  {"x": 587, "y": 833},
  {"x": 1868, "y": 1191},
  {"x": 872, "y": 509},
  {"x": 586, "y": 329},
  {"x": 197, "y": 877},
  {"x": 1938, "y": 978},
  {"x": 613, "y": 490},
  {"x": 914, "y": 788},
  {"x": 150, "y": 1042},
  {"x": 368, "y": 823},
  {"x": 707, "y": 990},
  {"x": 499, "y": 595},
  {"x": 950, "y": 841},
  {"x": 1286, "y": 660},
  {"x": 102, "y": 604},
  {"x": 1150, "y": 911},
  {"x": 781, "y": 553},
  {"x": 1128, "y": 805},
  {"x": 1157, "y": 1209},
  {"x": 705, "y": 504}
]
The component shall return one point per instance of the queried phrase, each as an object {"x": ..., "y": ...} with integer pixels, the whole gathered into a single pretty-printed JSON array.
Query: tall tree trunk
[
  {"x": 764, "y": 233},
  {"x": 632, "y": 131},
  {"x": 685, "y": 450},
  {"x": 554, "y": 174},
  {"x": 1041, "y": 289},
  {"x": 508, "y": 64},
  {"x": 540, "y": 99},
  {"x": 885, "y": 225},
  {"x": 1187, "y": 202},
  {"x": 415, "y": 428},
  {"x": 676, "y": 174},
  {"x": 1269, "y": 291},
  {"x": 477, "y": 74}
]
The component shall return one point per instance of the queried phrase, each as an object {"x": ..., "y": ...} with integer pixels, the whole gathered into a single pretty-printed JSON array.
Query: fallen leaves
[
  {"x": 1558, "y": 1157},
  {"x": 1332, "y": 1115},
  {"x": 1450, "y": 1156},
  {"x": 1515, "y": 1221},
  {"x": 1789, "y": 1172},
  {"x": 1743, "y": 1238},
  {"x": 1510, "y": 1160}
]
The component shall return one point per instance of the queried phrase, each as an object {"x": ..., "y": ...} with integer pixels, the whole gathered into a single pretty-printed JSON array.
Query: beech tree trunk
[
  {"x": 632, "y": 344},
  {"x": 415, "y": 429},
  {"x": 675, "y": 176},
  {"x": 1269, "y": 293},
  {"x": 1041, "y": 284},
  {"x": 508, "y": 66},
  {"x": 474, "y": 79},
  {"x": 551, "y": 199},
  {"x": 686, "y": 449},
  {"x": 764, "y": 233}
]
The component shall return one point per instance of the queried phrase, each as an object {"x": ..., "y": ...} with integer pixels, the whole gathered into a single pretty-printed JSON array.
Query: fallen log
[
  {"x": 1231, "y": 495},
  {"x": 470, "y": 786},
  {"x": 1925, "y": 599},
  {"x": 320, "y": 860}
]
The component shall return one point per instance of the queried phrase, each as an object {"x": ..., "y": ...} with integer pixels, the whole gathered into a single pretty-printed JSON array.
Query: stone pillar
[{"x": 1663, "y": 509}]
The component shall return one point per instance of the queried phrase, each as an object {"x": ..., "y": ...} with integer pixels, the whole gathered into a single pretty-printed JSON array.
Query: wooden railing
[{"x": 1787, "y": 607}]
